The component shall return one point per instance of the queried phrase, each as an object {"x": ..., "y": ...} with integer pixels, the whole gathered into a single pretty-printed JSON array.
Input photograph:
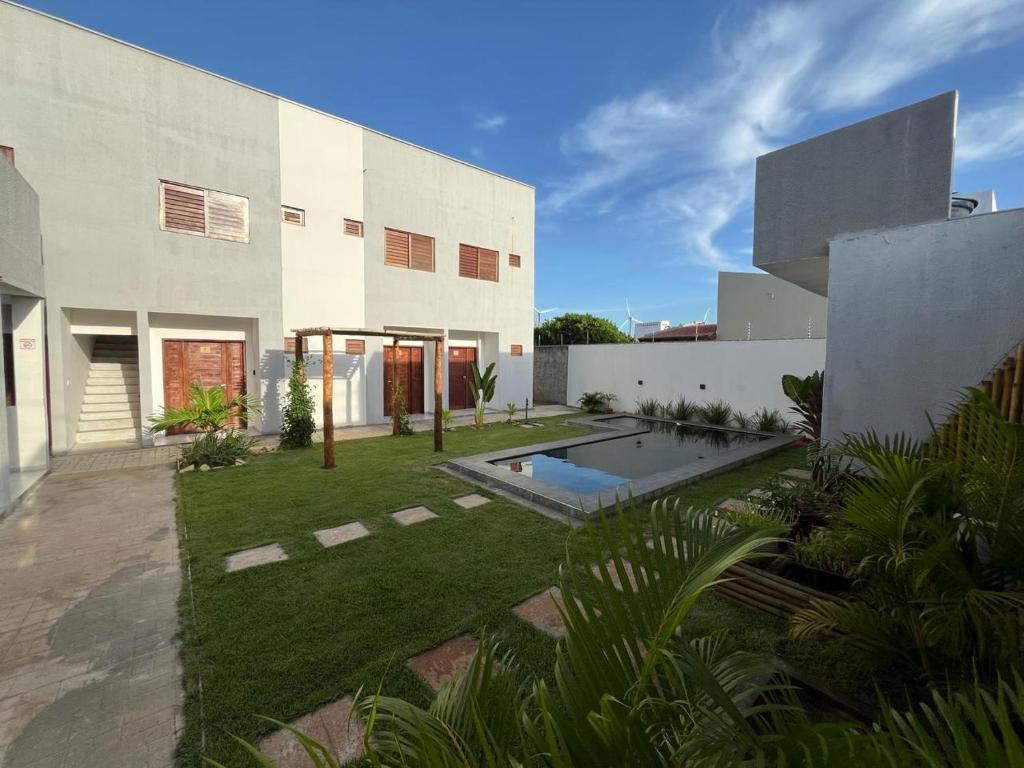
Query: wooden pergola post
[
  {"x": 328, "y": 370},
  {"x": 438, "y": 389},
  {"x": 298, "y": 354},
  {"x": 394, "y": 388}
]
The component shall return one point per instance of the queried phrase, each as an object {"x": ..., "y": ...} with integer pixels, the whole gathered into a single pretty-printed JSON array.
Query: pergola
[{"x": 328, "y": 334}]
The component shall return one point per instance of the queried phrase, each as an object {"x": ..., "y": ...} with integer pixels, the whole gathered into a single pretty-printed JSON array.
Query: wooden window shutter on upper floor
[
  {"x": 514, "y": 260},
  {"x": 353, "y": 227},
  {"x": 182, "y": 209},
  {"x": 422, "y": 252},
  {"x": 517, "y": 350},
  {"x": 469, "y": 261},
  {"x": 289, "y": 345},
  {"x": 488, "y": 264},
  {"x": 396, "y": 248},
  {"x": 227, "y": 216},
  {"x": 291, "y": 215},
  {"x": 355, "y": 347}
]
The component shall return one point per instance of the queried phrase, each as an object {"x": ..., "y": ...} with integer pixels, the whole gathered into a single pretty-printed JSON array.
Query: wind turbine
[
  {"x": 542, "y": 312},
  {"x": 631, "y": 320}
]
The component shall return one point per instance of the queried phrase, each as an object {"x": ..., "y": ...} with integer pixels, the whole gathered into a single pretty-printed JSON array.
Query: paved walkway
[{"x": 89, "y": 668}]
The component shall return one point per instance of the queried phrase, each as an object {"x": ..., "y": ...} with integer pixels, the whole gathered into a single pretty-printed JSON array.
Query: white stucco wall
[
  {"x": 746, "y": 374},
  {"x": 915, "y": 315}
]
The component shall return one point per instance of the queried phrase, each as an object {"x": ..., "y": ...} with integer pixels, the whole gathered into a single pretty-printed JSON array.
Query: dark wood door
[
  {"x": 211, "y": 363},
  {"x": 410, "y": 378},
  {"x": 460, "y": 377}
]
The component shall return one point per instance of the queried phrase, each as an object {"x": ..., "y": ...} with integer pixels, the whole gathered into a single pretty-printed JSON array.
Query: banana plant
[
  {"x": 483, "y": 390},
  {"x": 808, "y": 394}
]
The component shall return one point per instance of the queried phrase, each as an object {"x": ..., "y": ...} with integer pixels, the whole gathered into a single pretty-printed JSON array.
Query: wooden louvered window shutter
[
  {"x": 353, "y": 227},
  {"x": 227, "y": 216},
  {"x": 469, "y": 261},
  {"x": 396, "y": 248},
  {"x": 182, "y": 209},
  {"x": 422, "y": 252},
  {"x": 517, "y": 350},
  {"x": 289, "y": 345},
  {"x": 355, "y": 347},
  {"x": 488, "y": 264},
  {"x": 291, "y": 215},
  {"x": 514, "y": 260}
]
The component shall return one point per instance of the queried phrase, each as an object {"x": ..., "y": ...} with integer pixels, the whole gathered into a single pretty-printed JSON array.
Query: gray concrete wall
[
  {"x": 96, "y": 124},
  {"x": 757, "y": 306},
  {"x": 550, "y": 374},
  {"x": 915, "y": 315},
  {"x": 888, "y": 171},
  {"x": 21, "y": 262}
]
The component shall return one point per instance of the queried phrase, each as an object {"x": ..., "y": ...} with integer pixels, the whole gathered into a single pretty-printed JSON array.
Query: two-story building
[{"x": 189, "y": 222}]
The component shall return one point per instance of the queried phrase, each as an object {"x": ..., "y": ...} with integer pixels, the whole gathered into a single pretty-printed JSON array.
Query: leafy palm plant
[
  {"x": 207, "y": 409},
  {"x": 483, "y": 390},
  {"x": 808, "y": 393},
  {"x": 936, "y": 533}
]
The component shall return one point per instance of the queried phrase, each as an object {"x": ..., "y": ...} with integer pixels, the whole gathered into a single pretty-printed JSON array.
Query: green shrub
[
  {"x": 682, "y": 409},
  {"x": 741, "y": 420},
  {"x": 297, "y": 425},
  {"x": 809, "y": 394},
  {"x": 446, "y": 420},
  {"x": 217, "y": 449},
  {"x": 595, "y": 402},
  {"x": 649, "y": 407},
  {"x": 765, "y": 420},
  {"x": 717, "y": 412}
]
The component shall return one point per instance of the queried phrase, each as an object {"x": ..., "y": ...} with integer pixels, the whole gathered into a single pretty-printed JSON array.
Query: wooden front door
[
  {"x": 460, "y": 377},
  {"x": 410, "y": 378},
  {"x": 211, "y": 363}
]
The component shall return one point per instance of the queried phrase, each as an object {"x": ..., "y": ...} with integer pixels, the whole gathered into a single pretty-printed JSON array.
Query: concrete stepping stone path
[
  {"x": 333, "y": 725},
  {"x": 250, "y": 558},
  {"x": 412, "y": 515},
  {"x": 332, "y": 537},
  {"x": 738, "y": 505},
  {"x": 471, "y": 501},
  {"x": 542, "y": 612},
  {"x": 613, "y": 574},
  {"x": 441, "y": 663},
  {"x": 799, "y": 474}
]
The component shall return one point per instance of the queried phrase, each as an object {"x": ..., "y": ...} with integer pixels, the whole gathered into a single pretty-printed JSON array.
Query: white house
[{"x": 188, "y": 223}]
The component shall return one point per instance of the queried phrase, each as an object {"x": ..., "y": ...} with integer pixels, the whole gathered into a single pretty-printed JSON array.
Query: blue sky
[{"x": 636, "y": 122}]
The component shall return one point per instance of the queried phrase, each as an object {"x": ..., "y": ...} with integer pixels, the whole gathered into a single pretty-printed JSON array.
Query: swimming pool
[{"x": 629, "y": 457}]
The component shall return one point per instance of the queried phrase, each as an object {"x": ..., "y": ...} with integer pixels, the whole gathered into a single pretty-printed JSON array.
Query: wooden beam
[
  {"x": 328, "y": 369},
  {"x": 394, "y": 388},
  {"x": 438, "y": 389}
]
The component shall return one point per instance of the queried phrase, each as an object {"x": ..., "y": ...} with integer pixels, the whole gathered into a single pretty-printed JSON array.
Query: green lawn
[{"x": 282, "y": 638}]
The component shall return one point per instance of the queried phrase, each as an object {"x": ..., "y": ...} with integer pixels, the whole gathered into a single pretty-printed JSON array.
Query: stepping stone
[
  {"x": 541, "y": 611},
  {"x": 757, "y": 493},
  {"x": 250, "y": 558},
  {"x": 799, "y": 474},
  {"x": 613, "y": 574},
  {"x": 738, "y": 505},
  {"x": 441, "y": 663},
  {"x": 332, "y": 537},
  {"x": 788, "y": 483},
  {"x": 412, "y": 515},
  {"x": 334, "y": 725},
  {"x": 472, "y": 500}
]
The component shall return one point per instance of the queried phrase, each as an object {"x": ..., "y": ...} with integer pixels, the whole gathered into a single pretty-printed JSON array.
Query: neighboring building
[
  {"x": 923, "y": 296},
  {"x": 189, "y": 223},
  {"x": 643, "y": 329},
  {"x": 755, "y": 306},
  {"x": 688, "y": 332}
]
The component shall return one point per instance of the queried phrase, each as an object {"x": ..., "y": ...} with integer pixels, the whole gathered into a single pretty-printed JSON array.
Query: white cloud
[
  {"x": 993, "y": 133},
  {"x": 490, "y": 123},
  {"x": 683, "y": 152}
]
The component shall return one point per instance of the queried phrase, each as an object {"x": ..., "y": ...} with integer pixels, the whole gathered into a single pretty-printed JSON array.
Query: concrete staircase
[{"x": 110, "y": 405}]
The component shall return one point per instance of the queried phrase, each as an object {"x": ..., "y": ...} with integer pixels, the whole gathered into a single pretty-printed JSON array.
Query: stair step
[
  {"x": 121, "y": 413},
  {"x": 111, "y": 389},
  {"x": 126, "y": 403},
  {"x": 105, "y": 366},
  {"x": 109, "y": 436},
  {"x": 109, "y": 397},
  {"x": 113, "y": 374},
  {"x": 108, "y": 424}
]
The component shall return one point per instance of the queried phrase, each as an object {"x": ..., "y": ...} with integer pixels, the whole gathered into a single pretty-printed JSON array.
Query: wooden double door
[
  {"x": 211, "y": 363},
  {"x": 460, "y": 377},
  {"x": 410, "y": 377}
]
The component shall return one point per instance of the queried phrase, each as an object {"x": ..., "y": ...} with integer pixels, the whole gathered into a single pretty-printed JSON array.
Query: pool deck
[{"x": 482, "y": 469}]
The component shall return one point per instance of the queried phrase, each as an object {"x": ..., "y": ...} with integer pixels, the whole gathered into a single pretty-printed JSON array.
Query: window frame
[
  {"x": 409, "y": 250},
  {"x": 477, "y": 259},
  {"x": 207, "y": 233}
]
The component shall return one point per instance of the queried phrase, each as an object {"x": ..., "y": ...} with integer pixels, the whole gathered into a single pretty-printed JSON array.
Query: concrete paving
[
  {"x": 441, "y": 663},
  {"x": 471, "y": 501},
  {"x": 543, "y": 612},
  {"x": 335, "y": 726},
  {"x": 250, "y": 558},
  {"x": 89, "y": 667},
  {"x": 412, "y": 515},
  {"x": 332, "y": 537}
]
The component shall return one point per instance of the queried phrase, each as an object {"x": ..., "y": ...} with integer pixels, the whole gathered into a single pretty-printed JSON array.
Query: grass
[{"x": 281, "y": 639}]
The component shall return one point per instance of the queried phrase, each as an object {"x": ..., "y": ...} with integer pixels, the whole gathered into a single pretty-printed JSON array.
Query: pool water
[{"x": 608, "y": 463}]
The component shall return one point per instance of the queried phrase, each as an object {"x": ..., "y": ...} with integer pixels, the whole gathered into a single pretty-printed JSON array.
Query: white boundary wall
[{"x": 746, "y": 374}]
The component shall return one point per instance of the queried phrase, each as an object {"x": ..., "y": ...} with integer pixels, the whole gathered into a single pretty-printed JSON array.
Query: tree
[
  {"x": 576, "y": 328},
  {"x": 297, "y": 425}
]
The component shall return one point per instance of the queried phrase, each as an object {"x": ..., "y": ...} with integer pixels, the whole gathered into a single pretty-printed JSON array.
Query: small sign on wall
[{"x": 26, "y": 343}]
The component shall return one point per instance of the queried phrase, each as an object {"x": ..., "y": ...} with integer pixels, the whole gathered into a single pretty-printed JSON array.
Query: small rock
[
  {"x": 187, "y": 468},
  {"x": 204, "y": 468},
  {"x": 239, "y": 462}
]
